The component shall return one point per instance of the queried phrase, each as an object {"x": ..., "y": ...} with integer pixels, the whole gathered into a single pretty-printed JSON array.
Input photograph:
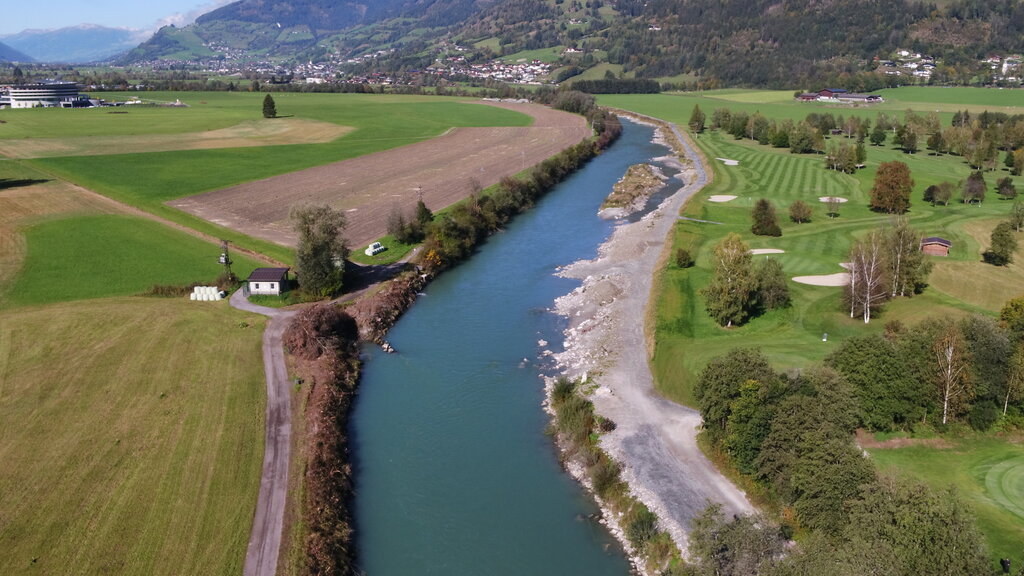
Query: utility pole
[{"x": 225, "y": 260}]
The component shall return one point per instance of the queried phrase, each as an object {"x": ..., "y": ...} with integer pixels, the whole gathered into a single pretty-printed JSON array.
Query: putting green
[{"x": 1004, "y": 483}]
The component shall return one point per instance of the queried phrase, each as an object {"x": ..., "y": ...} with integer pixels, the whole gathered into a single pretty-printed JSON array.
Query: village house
[{"x": 272, "y": 281}]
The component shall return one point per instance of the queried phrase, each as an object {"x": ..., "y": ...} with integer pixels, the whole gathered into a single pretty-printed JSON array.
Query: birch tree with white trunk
[
  {"x": 952, "y": 371},
  {"x": 869, "y": 284}
]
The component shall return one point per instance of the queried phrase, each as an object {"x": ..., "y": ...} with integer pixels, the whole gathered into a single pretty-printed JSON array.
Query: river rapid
[{"x": 454, "y": 472}]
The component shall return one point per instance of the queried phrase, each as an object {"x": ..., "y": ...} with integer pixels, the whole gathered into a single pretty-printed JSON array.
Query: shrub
[
  {"x": 683, "y": 258},
  {"x": 641, "y": 527}
]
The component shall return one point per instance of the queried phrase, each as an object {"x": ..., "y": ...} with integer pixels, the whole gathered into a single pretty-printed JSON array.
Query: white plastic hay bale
[{"x": 192, "y": 296}]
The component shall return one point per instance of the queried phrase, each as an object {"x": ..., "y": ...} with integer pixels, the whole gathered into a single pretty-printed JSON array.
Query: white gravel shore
[{"x": 655, "y": 439}]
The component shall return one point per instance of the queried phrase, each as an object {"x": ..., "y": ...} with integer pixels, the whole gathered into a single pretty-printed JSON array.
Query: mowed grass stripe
[{"x": 133, "y": 437}]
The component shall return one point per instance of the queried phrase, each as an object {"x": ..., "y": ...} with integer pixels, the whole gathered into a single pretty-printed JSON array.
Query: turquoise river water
[{"x": 454, "y": 473}]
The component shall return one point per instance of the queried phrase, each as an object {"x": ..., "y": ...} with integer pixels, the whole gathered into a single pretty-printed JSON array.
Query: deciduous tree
[
  {"x": 952, "y": 375},
  {"x": 800, "y": 212},
  {"x": 772, "y": 287},
  {"x": 867, "y": 289},
  {"x": 1015, "y": 380},
  {"x": 908, "y": 268},
  {"x": 891, "y": 192},
  {"x": 321, "y": 251},
  {"x": 1003, "y": 245},
  {"x": 1006, "y": 188},
  {"x": 718, "y": 386},
  {"x": 727, "y": 296},
  {"x": 974, "y": 188}
]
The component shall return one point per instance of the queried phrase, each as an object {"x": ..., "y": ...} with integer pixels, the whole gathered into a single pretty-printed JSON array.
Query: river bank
[{"x": 654, "y": 440}]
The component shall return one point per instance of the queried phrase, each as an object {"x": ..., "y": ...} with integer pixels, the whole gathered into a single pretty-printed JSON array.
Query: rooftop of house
[{"x": 268, "y": 274}]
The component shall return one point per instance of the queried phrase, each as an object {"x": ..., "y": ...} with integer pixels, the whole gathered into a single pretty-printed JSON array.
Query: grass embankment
[
  {"x": 987, "y": 472},
  {"x": 148, "y": 179},
  {"x": 132, "y": 438}
]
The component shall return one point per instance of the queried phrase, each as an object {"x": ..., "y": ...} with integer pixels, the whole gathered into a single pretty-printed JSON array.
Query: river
[{"x": 454, "y": 472}]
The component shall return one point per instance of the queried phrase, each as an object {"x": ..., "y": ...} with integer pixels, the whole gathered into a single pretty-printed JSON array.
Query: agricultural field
[
  {"x": 132, "y": 438},
  {"x": 441, "y": 171},
  {"x": 174, "y": 151},
  {"x": 986, "y": 472}
]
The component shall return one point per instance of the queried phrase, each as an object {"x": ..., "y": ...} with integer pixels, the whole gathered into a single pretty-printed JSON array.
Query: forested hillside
[{"x": 727, "y": 42}]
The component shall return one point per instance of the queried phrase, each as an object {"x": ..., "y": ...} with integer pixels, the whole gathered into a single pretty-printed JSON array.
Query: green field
[
  {"x": 132, "y": 437},
  {"x": 148, "y": 179},
  {"x": 988, "y": 473},
  {"x": 99, "y": 256},
  {"x": 779, "y": 104}
]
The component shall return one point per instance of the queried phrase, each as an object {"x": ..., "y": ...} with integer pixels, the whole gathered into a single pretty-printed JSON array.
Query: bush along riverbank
[
  {"x": 322, "y": 340},
  {"x": 577, "y": 429},
  {"x": 323, "y": 345}
]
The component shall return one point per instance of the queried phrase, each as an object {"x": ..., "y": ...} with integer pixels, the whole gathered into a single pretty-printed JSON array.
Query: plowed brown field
[{"x": 444, "y": 170}]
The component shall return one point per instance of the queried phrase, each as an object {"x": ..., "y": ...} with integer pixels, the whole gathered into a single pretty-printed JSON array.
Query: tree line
[{"x": 791, "y": 433}]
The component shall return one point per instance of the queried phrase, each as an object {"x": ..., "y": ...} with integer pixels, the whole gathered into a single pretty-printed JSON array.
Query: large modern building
[{"x": 44, "y": 94}]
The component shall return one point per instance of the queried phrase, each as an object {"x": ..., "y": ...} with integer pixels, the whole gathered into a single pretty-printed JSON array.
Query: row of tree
[{"x": 884, "y": 264}]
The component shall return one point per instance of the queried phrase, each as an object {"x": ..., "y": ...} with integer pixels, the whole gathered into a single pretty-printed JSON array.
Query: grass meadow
[
  {"x": 686, "y": 337},
  {"x": 986, "y": 472},
  {"x": 132, "y": 437},
  {"x": 100, "y": 256},
  {"x": 146, "y": 179}
]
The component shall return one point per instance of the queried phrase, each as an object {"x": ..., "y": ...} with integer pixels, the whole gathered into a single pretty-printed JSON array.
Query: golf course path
[
  {"x": 655, "y": 440},
  {"x": 268, "y": 523}
]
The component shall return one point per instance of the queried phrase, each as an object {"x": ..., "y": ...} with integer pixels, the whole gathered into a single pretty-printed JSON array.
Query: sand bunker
[
  {"x": 827, "y": 199},
  {"x": 721, "y": 198},
  {"x": 757, "y": 251},
  {"x": 837, "y": 279},
  {"x": 729, "y": 162}
]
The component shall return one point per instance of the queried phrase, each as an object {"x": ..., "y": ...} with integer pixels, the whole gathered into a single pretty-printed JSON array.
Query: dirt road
[
  {"x": 265, "y": 539},
  {"x": 655, "y": 439},
  {"x": 444, "y": 170}
]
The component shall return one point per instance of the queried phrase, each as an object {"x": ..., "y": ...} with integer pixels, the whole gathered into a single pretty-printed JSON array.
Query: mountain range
[
  {"x": 8, "y": 54},
  {"x": 74, "y": 45},
  {"x": 727, "y": 42}
]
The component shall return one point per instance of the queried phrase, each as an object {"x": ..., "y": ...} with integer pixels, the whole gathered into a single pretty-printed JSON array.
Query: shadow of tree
[{"x": 6, "y": 183}]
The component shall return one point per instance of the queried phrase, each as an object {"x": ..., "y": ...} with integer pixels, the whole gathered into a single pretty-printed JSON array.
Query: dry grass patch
[
  {"x": 976, "y": 282},
  {"x": 266, "y": 132},
  {"x": 132, "y": 437}
]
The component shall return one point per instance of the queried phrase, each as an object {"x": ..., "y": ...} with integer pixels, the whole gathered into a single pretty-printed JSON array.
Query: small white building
[{"x": 271, "y": 281}]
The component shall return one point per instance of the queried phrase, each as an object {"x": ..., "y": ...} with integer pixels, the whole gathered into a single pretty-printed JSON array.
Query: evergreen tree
[
  {"x": 772, "y": 287},
  {"x": 269, "y": 107},
  {"x": 697, "y": 119},
  {"x": 765, "y": 221}
]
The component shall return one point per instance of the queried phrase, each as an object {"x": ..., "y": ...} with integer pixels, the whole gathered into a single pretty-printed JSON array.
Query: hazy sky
[{"x": 138, "y": 14}]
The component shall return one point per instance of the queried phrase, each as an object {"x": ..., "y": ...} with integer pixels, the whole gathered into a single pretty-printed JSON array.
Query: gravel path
[
  {"x": 655, "y": 439},
  {"x": 265, "y": 540}
]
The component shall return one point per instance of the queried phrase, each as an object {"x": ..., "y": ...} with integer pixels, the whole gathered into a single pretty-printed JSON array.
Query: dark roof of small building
[
  {"x": 835, "y": 90},
  {"x": 936, "y": 240},
  {"x": 268, "y": 274}
]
